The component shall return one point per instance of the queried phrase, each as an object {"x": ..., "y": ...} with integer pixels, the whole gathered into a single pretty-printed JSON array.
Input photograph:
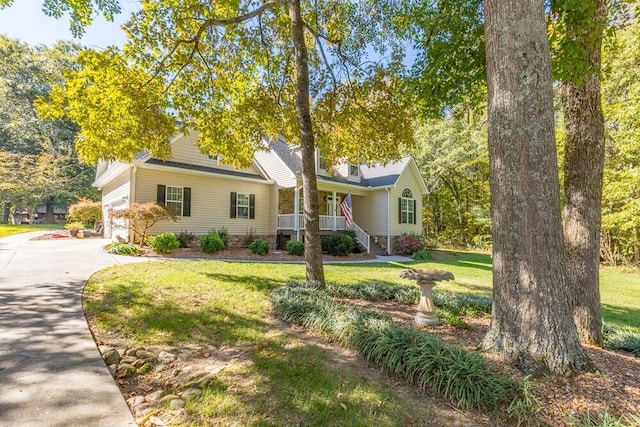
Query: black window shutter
[
  {"x": 232, "y": 211},
  {"x": 399, "y": 210},
  {"x": 252, "y": 206},
  {"x": 161, "y": 196},
  {"x": 414, "y": 211},
  {"x": 186, "y": 202}
]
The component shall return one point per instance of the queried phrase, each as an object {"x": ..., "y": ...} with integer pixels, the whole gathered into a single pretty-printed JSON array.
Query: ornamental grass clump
[
  {"x": 375, "y": 291},
  {"x": 118, "y": 248},
  {"x": 621, "y": 339},
  {"x": 461, "y": 376}
]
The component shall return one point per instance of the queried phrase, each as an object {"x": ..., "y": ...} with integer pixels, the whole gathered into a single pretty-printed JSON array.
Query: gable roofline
[{"x": 158, "y": 164}]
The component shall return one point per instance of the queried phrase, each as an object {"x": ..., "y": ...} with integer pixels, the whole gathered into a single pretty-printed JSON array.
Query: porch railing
[
  {"x": 327, "y": 222},
  {"x": 362, "y": 236}
]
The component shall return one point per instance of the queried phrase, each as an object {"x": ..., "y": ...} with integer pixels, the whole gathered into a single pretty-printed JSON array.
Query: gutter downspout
[{"x": 388, "y": 221}]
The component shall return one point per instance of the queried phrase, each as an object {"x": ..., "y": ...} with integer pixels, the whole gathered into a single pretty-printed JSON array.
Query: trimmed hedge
[{"x": 460, "y": 375}]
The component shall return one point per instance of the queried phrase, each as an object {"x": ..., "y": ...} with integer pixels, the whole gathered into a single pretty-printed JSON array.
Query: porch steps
[{"x": 376, "y": 249}]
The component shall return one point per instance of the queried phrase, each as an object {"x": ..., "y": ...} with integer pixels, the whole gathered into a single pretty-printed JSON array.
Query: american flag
[{"x": 347, "y": 210}]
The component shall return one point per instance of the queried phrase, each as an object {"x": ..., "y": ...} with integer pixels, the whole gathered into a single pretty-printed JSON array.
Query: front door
[{"x": 333, "y": 206}]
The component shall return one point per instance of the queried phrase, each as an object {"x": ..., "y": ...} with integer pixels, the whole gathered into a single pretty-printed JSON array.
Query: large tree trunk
[
  {"x": 6, "y": 212},
  {"x": 583, "y": 168},
  {"x": 313, "y": 247},
  {"x": 532, "y": 323},
  {"x": 50, "y": 216}
]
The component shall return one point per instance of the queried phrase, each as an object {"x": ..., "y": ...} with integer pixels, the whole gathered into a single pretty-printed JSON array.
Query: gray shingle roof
[
  {"x": 219, "y": 171},
  {"x": 371, "y": 176}
]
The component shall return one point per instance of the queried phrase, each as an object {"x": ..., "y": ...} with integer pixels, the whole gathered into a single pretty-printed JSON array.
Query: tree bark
[
  {"x": 583, "y": 169},
  {"x": 6, "y": 212},
  {"x": 313, "y": 247},
  {"x": 50, "y": 217},
  {"x": 532, "y": 324}
]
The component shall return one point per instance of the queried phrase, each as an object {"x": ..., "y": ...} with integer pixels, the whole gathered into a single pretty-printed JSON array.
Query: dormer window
[
  {"x": 214, "y": 157},
  {"x": 354, "y": 170},
  {"x": 322, "y": 165}
]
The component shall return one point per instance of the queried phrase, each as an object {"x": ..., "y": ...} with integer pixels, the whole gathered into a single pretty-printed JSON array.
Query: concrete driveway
[{"x": 51, "y": 373}]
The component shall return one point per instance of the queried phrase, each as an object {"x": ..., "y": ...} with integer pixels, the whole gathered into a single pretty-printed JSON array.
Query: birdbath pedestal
[{"x": 426, "y": 314}]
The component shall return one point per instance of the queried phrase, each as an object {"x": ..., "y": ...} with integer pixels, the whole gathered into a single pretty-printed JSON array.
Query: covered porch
[{"x": 291, "y": 217}]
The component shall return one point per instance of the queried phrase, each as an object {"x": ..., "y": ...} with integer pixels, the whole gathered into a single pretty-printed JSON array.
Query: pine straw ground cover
[{"x": 217, "y": 317}]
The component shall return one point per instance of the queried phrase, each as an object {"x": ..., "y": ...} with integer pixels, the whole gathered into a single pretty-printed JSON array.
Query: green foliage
[
  {"x": 429, "y": 362},
  {"x": 453, "y": 158},
  {"x": 250, "y": 236},
  {"x": 118, "y": 248},
  {"x": 74, "y": 227},
  {"x": 375, "y": 291},
  {"x": 621, "y": 339},
  {"x": 211, "y": 243},
  {"x": 164, "y": 243},
  {"x": 338, "y": 244},
  {"x": 421, "y": 255},
  {"x": 86, "y": 211},
  {"x": 526, "y": 405},
  {"x": 603, "y": 418},
  {"x": 295, "y": 247},
  {"x": 408, "y": 243},
  {"x": 621, "y": 188},
  {"x": 142, "y": 216},
  {"x": 259, "y": 246},
  {"x": 223, "y": 232},
  {"x": 186, "y": 238}
]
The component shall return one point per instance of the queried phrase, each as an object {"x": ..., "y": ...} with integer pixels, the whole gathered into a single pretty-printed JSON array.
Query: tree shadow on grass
[
  {"x": 622, "y": 316},
  {"x": 256, "y": 283}
]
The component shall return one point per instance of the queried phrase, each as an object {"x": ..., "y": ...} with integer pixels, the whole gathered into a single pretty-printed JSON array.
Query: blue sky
[{"x": 25, "y": 21}]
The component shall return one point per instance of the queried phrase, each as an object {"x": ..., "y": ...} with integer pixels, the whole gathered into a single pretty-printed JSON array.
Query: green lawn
[
  {"x": 8, "y": 229},
  {"x": 287, "y": 381}
]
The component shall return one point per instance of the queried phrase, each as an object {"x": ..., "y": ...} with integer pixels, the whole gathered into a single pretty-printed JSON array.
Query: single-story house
[{"x": 264, "y": 199}]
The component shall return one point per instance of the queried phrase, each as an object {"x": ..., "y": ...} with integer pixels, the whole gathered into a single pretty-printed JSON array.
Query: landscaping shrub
[
  {"x": 85, "y": 211},
  {"x": 461, "y": 376},
  {"x": 118, "y": 248},
  {"x": 621, "y": 339},
  {"x": 295, "y": 248},
  {"x": 224, "y": 236},
  {"x": 250, "y": 236},
  {"x": 186, "y": 238},
  {"x": 421, "y": 255},
  {"x": 74, "y": 227},
  {"x": 259, "y": 246},
  {"x": 143, "y": 216},
  {"x": 164, "y": 243},
  {"x": 408, "y": 243},
  {"x": 211, "y": 243},
  {"x": 339, "y": 244},
  {"x": 406, "y": 294}
]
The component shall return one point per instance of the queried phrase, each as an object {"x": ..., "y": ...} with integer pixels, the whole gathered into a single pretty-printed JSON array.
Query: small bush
[
  {"x": 338, "y": 244},
  {"x": 186, "y": 238},
  {"x": 250, "y": 236},
  {"x": 118, "y": 248},
  {"x": 85, "y": 211},
  {"x": 407, "y": 243},
  {"x": 350, "y": 233},
  {"x": 224, "y": 236},
  {"x": 260, "y": 247},
  {"x": 211, "y": 243},
  {"x": 74, "y": 227},
  {"x": 295, "y": 248},
  {"x": 421, "y": 255},
  {"x": 164, "y": 243}
]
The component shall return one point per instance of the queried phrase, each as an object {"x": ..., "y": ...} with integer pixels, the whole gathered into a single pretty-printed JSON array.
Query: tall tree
[
  {"x": 30, "y": 72},
  {"x": 577, "y": 30},
  {"x": 238, "y": 70},
  {"x": 531, "y": 321},
  {"x": 451, "y": 58}
]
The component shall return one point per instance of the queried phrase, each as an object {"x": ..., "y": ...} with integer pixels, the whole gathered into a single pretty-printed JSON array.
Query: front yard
[
  {"x": 216, "y": 355},
  {"x": 10, "y": 229}
]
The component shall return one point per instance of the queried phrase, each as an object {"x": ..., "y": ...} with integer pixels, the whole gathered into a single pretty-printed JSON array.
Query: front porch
[{"x": 291, "y": 219}]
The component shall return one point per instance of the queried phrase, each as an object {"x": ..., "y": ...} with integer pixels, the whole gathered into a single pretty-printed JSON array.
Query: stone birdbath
[{"x": 426, "y": 279}]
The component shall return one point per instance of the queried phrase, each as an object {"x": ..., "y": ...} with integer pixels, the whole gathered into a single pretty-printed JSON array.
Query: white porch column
[
  {"x": 335, "y": 212},
  {"x": 296, "y": 212}
]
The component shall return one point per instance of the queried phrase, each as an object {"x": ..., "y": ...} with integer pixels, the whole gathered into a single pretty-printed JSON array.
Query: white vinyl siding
[
  {"x": 184, "y": 150},
  {"x": 406, "y": 180},
  {"x": 370, "y": 212},
  {"x": 209, "y": 202}
]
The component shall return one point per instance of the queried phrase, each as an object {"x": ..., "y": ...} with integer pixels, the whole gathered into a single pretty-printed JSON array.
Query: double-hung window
[
  {"x": 174, "y": 199},
  {"x": 407, "y": 208}
]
